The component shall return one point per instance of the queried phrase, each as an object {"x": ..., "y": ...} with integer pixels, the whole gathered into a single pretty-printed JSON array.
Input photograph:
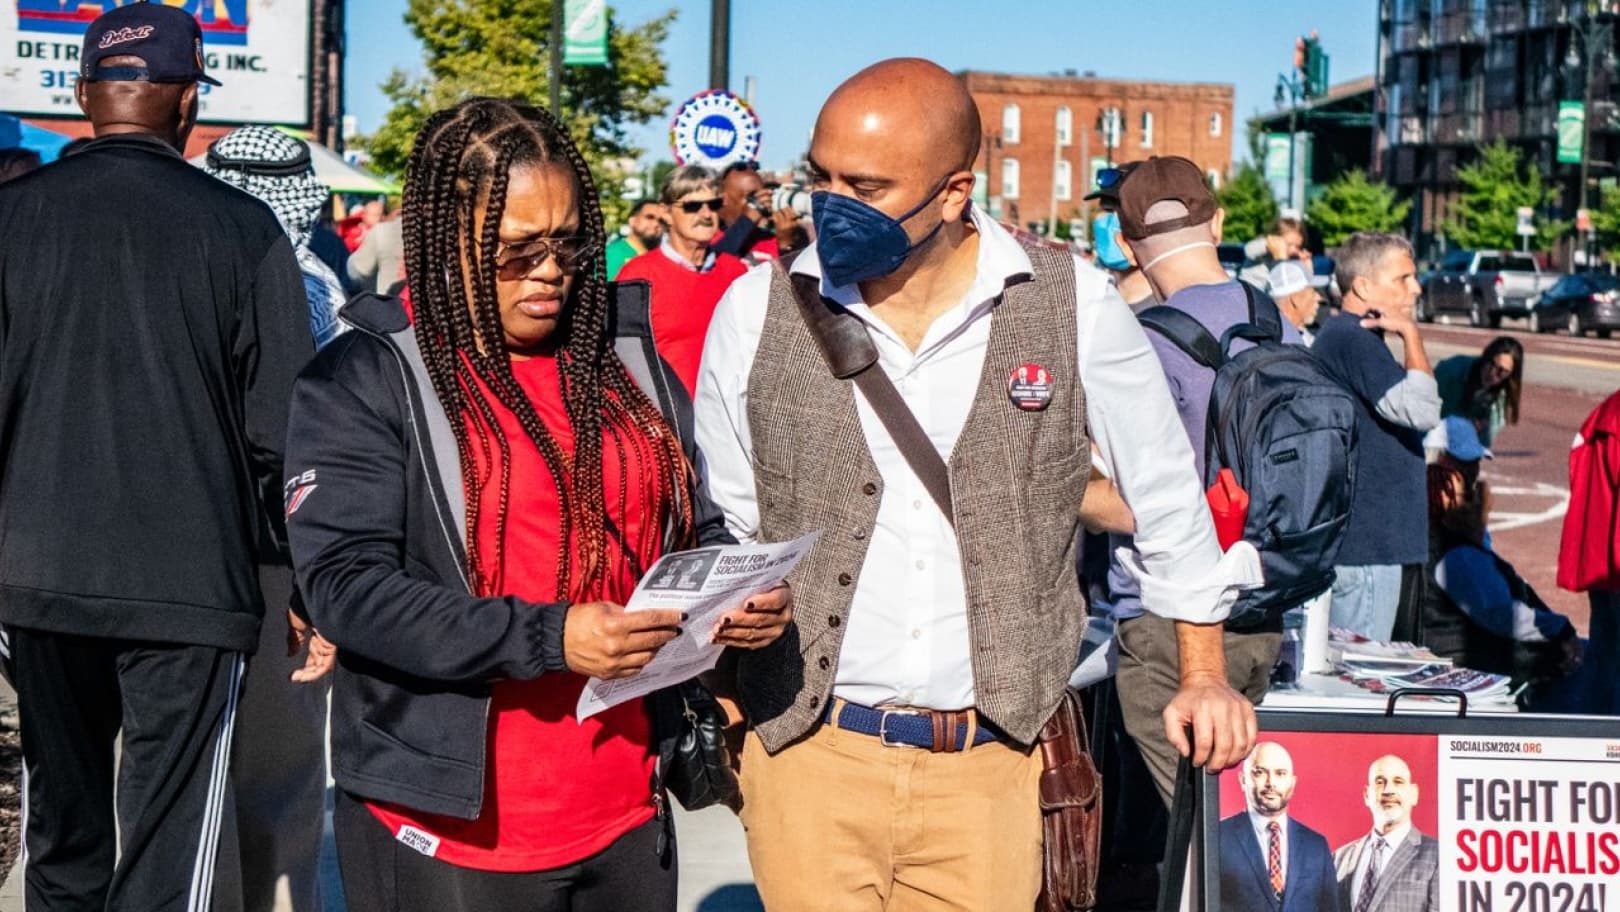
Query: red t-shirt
[
  {"x": 683, "y": 302},
  {"x": 556, "y": 789}
]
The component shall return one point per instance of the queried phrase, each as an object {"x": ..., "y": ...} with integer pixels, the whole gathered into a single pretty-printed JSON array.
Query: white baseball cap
[{"x": 1288, "y": 277}]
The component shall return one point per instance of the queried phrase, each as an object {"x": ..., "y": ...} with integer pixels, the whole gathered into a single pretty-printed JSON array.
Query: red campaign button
[{"x": 1030, "y": 387}]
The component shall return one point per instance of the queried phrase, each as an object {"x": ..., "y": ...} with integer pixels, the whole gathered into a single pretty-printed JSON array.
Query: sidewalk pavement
[
  {"x": 714, "y": 868},
  {"x": 714, "y": 875}
]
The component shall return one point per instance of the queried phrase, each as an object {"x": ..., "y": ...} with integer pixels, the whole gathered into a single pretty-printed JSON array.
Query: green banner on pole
[
  {"x": 1571, "y": 132},
  {"x": 586, "y": 27}
]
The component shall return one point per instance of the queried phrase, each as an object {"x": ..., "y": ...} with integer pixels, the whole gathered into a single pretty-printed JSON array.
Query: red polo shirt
[{"x": 683, "y": 302}]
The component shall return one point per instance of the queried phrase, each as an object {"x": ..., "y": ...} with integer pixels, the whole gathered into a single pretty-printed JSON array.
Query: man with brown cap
[
  {"x": 152, "y": 320},
  {"x": 889, "y": 764},
  {"x": 1170, "y": 224}
]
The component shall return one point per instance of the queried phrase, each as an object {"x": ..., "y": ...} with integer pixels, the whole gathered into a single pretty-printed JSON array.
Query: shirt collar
[
  {"x": 1002, "y": 261},
  {"x": 668, "y": 249},
  {"x": 1262, "y": 823},
  {"x": 142, "y": 140},
  {"x": 1392, "y": 839}
]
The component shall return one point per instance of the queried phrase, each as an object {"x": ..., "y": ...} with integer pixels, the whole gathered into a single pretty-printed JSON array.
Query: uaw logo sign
[
  {"x": 715, "y": 128},
  {"x": 223, "y": 22}
]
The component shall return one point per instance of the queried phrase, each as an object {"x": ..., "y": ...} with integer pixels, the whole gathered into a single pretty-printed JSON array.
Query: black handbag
[{"x": 698, "y": 771}]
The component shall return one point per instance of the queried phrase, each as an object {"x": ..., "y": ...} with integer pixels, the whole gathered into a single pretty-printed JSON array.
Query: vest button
[
  {"x": 824, "y": 663},
  {"x": 844, "y": 579},
  {"x": 858, "y": 534},
  {"x": 869, "y": 488},
  {"x": 834, "y": 621},
  {"x": 814, "y": 702}
]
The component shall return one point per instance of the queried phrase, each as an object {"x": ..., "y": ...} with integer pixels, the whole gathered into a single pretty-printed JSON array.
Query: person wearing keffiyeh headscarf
[
  {"x": 278, "y": 763},
  {"x": 275, "y": 167}
]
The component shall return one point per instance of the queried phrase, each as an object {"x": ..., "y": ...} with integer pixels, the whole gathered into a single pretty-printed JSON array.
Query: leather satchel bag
[
  {"x": 1071, "y": 811},
  {"x": 1071, "y": 786},
  {"x": 699, "y": 774}
]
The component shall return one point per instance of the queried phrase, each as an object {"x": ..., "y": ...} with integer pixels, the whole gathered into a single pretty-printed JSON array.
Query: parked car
[
  {"x": 1486, "y": 285},
  {"x": 1579, "y": 303}
]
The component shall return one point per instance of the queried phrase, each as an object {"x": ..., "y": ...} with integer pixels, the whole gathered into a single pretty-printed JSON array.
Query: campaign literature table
[
  {"x": 1331, "y": 693},
  {"x": 1499, "y": 812}
]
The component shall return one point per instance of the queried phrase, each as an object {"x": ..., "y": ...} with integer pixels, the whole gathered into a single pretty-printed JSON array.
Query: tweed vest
[{"x": 1017, "y": 478}]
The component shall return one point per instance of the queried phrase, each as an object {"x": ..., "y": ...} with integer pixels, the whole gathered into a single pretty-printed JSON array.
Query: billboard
[
  {"x": 259, "y": 49},
  {"x": 1421, "y": 822}
]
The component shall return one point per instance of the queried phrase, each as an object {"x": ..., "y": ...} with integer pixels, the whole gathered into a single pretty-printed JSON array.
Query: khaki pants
[
  {"x": 839, "y": 823},
  {"x": 1150, "y": 674}
]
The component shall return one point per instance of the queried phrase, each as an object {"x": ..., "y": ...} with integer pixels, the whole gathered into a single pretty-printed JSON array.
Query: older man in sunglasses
[{"x": 687, "y": 277}]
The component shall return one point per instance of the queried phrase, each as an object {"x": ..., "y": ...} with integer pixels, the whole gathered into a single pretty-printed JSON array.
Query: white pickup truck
[{"x": 1486, "y": 285}]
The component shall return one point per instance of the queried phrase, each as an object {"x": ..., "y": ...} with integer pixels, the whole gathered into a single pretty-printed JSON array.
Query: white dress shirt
[
  {"x": 1262, "y": 833},
  {"x": 906, "y": 640},
  {"x": 1392, "y": 841}
]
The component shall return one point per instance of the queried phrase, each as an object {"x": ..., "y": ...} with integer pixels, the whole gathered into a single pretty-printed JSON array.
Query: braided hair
[{"x": 455, "y": 188}]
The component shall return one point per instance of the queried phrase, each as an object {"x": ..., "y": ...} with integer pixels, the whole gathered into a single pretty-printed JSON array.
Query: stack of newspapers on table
[{"x": 1386, "y": 667}]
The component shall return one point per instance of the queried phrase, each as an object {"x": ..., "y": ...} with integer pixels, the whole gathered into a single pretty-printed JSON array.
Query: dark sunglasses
[
  {"x": 520, "y": 260},
  {"x": 1109, "y": 178},
  {"x": 693, "y": 207}
]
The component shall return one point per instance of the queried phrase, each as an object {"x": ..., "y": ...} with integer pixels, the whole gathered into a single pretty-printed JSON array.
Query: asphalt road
[{"x": 1565, "y": 379}]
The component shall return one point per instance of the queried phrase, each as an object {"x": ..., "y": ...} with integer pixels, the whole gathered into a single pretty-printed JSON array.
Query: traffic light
[{"x": 1312, "y": 64}]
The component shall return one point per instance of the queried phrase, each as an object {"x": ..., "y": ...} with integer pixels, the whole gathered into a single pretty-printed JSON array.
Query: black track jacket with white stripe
[
  {"x": 152, "y": 320},
  {"x": 377, "y": 520}
]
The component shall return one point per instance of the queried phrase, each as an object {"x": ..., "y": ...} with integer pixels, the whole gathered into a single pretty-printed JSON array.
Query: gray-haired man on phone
[{"x": 1398, "y": 402}]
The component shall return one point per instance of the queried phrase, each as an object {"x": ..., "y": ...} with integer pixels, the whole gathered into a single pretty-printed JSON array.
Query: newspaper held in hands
[{"x": 706, "y": 583}]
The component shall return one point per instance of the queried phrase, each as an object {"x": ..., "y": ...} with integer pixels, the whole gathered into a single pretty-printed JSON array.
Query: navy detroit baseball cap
[{"x": 167, "y": 38}]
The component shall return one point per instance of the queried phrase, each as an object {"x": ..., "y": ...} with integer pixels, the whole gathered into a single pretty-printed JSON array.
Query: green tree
[
  {"x": 1353, "y": 203},
  {"x": 501, "y": 48},
  {"x": 1250, "y": 207},
  {"x": 1606, "y": 223},
  {"x": 1495, "y": 186},
  {"x": 661, "y": 170}
]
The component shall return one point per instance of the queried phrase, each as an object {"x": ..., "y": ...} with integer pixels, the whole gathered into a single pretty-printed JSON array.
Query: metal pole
[
  {"x": 556, "y": 56},
  {"x": 719, "y": 44},
  {"x": 1586, "y": 112}
]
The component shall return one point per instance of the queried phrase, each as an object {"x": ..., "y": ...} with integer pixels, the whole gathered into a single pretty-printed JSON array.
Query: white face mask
[{"x": 1175, "y": 250}]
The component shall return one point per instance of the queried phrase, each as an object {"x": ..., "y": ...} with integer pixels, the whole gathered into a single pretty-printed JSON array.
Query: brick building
[{"x": 1100, "y": 120}]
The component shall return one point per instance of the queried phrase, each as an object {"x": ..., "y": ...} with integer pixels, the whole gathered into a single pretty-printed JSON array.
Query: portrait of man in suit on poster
[
  {"x": 1269, "y": 862},
  {"x": 1393, "y": 867}
]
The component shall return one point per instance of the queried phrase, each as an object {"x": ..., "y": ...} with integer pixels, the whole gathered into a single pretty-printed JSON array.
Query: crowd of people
[{"x": 420, "y": 509}]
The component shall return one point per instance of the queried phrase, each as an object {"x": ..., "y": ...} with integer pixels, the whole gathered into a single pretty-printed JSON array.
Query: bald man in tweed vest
[{"x": 889, "y": 761}]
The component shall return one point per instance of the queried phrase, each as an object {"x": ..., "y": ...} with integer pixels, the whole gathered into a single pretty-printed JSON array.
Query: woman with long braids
[{"x": 480, "y": 475}]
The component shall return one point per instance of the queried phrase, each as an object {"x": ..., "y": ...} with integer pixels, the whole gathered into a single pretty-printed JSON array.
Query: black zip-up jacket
[
  {"x": 152, "y": 320},
  {"x": 377, "y": 521}
]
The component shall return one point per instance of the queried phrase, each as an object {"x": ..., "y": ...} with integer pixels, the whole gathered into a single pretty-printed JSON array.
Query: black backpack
[{"x": 1287, "y": 430}]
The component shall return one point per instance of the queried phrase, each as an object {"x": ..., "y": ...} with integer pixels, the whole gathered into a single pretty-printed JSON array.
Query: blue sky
[{"x": 799, "y": 51}]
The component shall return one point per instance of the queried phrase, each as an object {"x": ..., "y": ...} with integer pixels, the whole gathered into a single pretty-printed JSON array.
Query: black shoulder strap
[
  {"x": 851, "y": 355},
  {"x": 1186, "y": 333},
  {"x": 1263, "y": 311}
]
